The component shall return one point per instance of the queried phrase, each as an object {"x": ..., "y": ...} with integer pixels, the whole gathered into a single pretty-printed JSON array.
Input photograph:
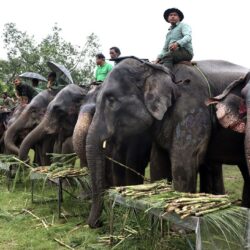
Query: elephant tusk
[{"x": 104, "y": 144}]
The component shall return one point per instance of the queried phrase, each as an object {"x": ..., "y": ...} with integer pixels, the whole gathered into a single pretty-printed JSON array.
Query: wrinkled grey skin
[
  {"x": 232, "y": 110},
  {"x": 14, "y": 115},
  {"x": 230, "y": 105},
  {"x": 84, "y": 120},
  {"x": 58, "y": 121},
  {"x": 137, "y": 97},
  {"x": 28, "y": 120},
  {"x": 132, "y": 151},
  {"x": 6, "y": 121},
  {"x": 4, "y": 117}
]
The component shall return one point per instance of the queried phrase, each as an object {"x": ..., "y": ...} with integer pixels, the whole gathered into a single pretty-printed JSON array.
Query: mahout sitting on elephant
[{"x": 139, "y": 97}]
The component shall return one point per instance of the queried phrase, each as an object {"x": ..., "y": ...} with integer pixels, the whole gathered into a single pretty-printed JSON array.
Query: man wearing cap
[
  {"x": 178, "y": 43},
  {"x": 103, "y": 68}
]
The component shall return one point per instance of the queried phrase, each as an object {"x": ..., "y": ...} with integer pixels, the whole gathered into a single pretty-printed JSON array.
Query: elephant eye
[
  {"x": 111, "y": 99},
  {"x": 112, "y": 102}
]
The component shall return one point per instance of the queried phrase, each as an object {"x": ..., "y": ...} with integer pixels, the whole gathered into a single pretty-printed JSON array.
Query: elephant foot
[{"x": 94, "y": 223}]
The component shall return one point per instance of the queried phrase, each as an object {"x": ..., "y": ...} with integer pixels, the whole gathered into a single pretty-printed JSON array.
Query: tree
[{"x": 25, "y": 55}]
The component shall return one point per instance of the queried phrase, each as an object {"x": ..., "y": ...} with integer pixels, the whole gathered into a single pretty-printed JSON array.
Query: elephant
[
  {"x": 232, "y": 112},
  {"x": 28, "y": 119},
  {"x": 231, "y": 109},
  {"x": 7, "y": 119},
  {"x": 4, "y": 116},
  {"x": 139, "y": 97},
  {"x": 58, "y": 121},
  {"x": 133, "y": 151}
]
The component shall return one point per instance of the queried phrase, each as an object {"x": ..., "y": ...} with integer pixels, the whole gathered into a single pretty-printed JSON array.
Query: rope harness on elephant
[{"x": 211, "y": 107}]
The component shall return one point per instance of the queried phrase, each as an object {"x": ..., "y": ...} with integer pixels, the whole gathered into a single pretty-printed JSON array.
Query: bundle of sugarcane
[
  {"x": 161, "y": 195},
  {"x": 43, "y": 169},
  {"x": 197, "y": 204},
  {"x": 144, "y": 190},
  {"x": 67, "y": 172}
]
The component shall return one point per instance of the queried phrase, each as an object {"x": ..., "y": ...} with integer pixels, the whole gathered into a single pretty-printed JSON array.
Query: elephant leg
[
  {"x": 185, "y": 162},
  {"x": 160, "y": 165},
  {"x": 246, "y": 187},
  {"x": 37, "y": 154},
  {"x": 46, "y": 147},
  {"x": 136, "y": 163},
  {"x": 184, "y": 174},
  {"x": 137, "y": 159},
  {"x": 118, "y": 171},
  {"x": 67, "y": 146},
  {"x": 211, "y": 178}
]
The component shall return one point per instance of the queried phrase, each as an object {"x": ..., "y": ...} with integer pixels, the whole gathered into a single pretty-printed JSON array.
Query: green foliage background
[{"x": 24, "y": 54}]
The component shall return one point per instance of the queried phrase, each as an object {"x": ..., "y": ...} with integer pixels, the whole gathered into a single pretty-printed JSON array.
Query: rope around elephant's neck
[
  {"x": 206, "y": 80},
  {"x": 211, "y": 107}
]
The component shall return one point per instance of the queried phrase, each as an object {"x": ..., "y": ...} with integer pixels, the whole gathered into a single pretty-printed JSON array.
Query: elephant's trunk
[
  {"x": 247, "y": 136},
  {"x": 12, "y": 132},
  {"x": 9, "y": 141},
  {"x": 96, "y": 161},
  {"x": 31, "y": 139},
  {"x": 80, "y": 133}
]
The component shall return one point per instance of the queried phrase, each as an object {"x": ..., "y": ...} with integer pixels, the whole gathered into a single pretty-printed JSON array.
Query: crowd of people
[
  {"x": 177, "y": 47},
  {"x": 24, "y": 92}
]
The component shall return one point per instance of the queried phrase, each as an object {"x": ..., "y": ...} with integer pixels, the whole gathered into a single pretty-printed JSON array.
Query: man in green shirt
[
  {"x": 178, "y": 43},
  {"x": 103, "y": 68}
]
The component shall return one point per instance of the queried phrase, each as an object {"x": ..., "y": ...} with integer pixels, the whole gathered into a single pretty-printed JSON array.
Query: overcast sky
[{"x": 221, "y": 28}]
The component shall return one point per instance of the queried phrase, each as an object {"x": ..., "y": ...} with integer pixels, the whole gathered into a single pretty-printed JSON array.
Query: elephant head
[
  {"x": 29, "y": 118},
  {"x": 231, "y": 109},
  {"x": 60, "y": 117},
  {"x": 134, "y": 96}
]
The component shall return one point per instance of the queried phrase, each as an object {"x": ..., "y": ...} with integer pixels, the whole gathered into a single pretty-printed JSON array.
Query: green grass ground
[{"x": 21, "y": 230}]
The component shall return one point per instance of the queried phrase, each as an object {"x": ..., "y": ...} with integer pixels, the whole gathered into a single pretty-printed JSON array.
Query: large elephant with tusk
[
  {"x": 139, "y": 97},
  {"x": 132, "y": 152}
]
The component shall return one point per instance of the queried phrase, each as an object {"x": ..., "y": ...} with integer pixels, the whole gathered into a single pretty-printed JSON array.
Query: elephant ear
[
  {"x": 160, "y": 93},
  {"x": 227, "y": 90}
]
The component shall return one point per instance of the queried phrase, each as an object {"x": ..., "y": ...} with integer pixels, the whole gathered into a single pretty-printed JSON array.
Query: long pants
[{"x": 176, "y": 56}]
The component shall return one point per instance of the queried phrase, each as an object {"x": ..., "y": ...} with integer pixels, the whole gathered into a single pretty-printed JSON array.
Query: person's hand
[{"x": 173, "y": 46}]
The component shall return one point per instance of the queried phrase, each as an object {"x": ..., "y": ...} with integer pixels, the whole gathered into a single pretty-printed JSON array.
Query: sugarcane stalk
[
  {"x": 63, "y": 244},
  {"x": 213, "y": 209}
]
